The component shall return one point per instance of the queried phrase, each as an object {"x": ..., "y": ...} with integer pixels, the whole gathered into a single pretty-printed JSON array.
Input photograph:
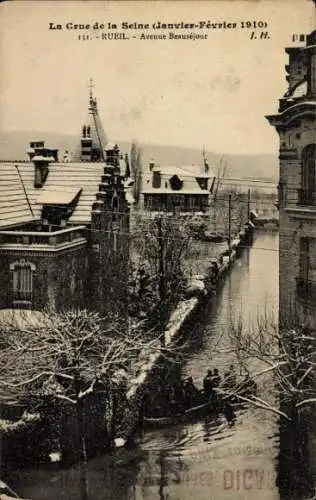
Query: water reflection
[{"x": 205, "y": 460}]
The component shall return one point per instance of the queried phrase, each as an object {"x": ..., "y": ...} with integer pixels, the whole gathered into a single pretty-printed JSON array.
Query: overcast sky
[{"x": 212, "y": 92}]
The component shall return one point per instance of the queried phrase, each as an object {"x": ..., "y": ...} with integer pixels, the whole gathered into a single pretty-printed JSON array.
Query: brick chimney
[
  {"x": 156, "y": 179},
  {"x": 40, "y": 170},
  {"x": 41, "y": 158}
]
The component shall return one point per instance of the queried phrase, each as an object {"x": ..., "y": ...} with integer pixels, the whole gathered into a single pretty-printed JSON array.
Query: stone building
[
  {"x": 295, "y": 124},
  {"x": 64, "y": 226}
]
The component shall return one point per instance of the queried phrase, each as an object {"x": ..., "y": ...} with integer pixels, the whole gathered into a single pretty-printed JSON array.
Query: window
[
  {"x": 282, "y": 194},
  {"x": 176, "y": 183},
  {"x": 308, "y": 184},
  {"x": 22, "y": 280},
  {"x": 306, "y": 281}
]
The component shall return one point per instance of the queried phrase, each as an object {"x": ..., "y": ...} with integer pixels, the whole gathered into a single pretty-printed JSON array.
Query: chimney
[
  {"x": 34, "y": 148},
  {"x": 54, "y": 153},
  {"x": 156, "y": 182},
  {"x": 41, "y": 158},
  {"x": 40, "y": 170},
  {"x": 86, "y": 144},
  {"x": 151, "y": 165}
]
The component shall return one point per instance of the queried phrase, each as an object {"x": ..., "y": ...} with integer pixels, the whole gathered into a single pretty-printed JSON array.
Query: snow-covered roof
[
  {"x": 16, "y": 194},
  {"x": 185, "y": 171},
  {"x": 189, "y": 176},
  {"x": 61, "y": 196},
  {"x": 21, "y": 202},
  {"x": 42, "y": 158}
]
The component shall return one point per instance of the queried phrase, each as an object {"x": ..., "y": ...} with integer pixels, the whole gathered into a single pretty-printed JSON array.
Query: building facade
[
  {"x": 64, "y": 226},
  {"x": 295, "y": 123}
]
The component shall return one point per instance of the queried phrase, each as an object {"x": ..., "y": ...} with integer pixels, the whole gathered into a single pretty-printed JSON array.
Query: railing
[
  {"x": 45, "y": 238},
  {"x": 306, "y": 197},
  {"x": 306, "y": 289},
  {"x": 289, "y": 101}
]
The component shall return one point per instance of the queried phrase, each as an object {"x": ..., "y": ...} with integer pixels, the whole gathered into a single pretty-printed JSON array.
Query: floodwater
[{"x": 203, "y": 460}]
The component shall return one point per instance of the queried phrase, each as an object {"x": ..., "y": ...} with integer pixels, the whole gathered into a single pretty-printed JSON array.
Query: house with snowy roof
[
  {"x": 170, "y": 188},
  {"x": 64, "y": 225}
]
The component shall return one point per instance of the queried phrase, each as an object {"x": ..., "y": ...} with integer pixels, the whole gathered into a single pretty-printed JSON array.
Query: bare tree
[
  {"x": 288, "y": 355},
  {"x": 221, "y": 173},
  {"x": 159, "y": 274},
  {"x": 282, "y": 362},
  {"x": 68, "y": 357}
]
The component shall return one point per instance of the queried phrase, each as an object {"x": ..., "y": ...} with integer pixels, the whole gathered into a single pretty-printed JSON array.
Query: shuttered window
[{"x": 22, "y": 280}]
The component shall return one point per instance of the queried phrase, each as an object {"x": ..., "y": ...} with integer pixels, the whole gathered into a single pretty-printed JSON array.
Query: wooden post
[
  {"x": 229, "y": 223},
  {"x": 248, "y": 206}
]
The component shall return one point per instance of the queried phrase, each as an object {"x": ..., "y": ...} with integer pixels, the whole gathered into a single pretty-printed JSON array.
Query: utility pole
[
  {"x": 161, "y": 261},
  {"x": 101, "y": 258},
  {"x": 229, "y": 223},
  {"x": 161, "y": 268},
  {"x": 248, "y": 206}
]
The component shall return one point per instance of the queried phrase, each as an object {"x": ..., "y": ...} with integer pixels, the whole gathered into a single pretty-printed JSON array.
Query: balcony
[
  {"x": 51, "y": 241},
  {"x": 306, "y": 197},
  {"x": 306, "y": 290}
]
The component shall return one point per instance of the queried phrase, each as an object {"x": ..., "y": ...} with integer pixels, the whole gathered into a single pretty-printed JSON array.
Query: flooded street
[{"x": 200, "y": 461}]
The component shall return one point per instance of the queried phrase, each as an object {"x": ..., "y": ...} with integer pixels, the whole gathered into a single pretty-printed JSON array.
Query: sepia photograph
[{"x": 158, "y": 250}]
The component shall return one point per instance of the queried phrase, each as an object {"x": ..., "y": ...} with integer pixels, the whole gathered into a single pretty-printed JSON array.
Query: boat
[
  {"x": 186, "y": 416},
  {"x": 223, "y": 405},
  {"x": 211, "y": 408}
]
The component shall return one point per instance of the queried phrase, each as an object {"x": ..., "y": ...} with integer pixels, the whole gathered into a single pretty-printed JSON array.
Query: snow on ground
[{"x": 145, "y": 362}]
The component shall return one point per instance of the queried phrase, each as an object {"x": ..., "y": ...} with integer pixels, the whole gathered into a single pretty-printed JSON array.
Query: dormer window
[
  {"x": 58, "y": 205},
  {"x": 176, "y": 183},
  {"x": 202, "y": 182}
]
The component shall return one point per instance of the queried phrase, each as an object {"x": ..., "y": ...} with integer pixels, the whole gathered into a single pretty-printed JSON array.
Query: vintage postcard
[{"x": 158, "y": 250}]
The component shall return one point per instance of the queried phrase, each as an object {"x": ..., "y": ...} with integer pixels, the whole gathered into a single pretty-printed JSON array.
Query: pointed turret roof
[{"x": 92, "y": 129}]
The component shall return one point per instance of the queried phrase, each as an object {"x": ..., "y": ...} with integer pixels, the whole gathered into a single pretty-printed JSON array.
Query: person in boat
[
  {"x": 191, "y": 393},
  {"x": 216, "y": 378},
  {"x": 177, "y": 396},
  {"x": 174, "y": 405},
  {"x": 208, "y": 385}
]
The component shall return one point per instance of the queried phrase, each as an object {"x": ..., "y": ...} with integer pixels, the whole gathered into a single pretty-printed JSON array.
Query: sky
[{"x": 212, "y": 92}]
